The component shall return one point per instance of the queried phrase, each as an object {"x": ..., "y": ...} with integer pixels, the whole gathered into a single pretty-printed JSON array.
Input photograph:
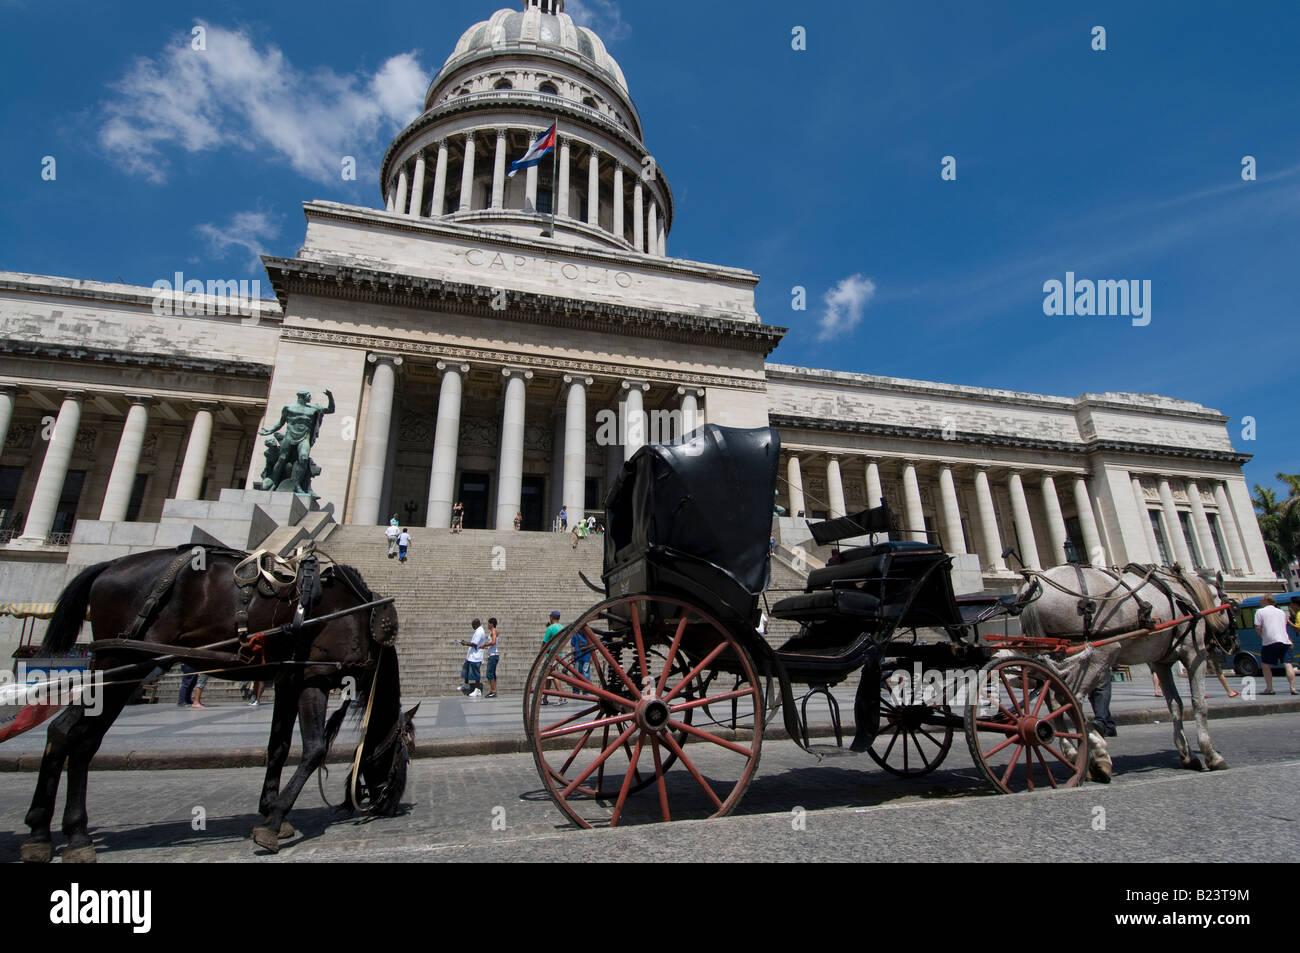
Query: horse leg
[
  {"x": 37, "y": 848},
  {"x": 83, "y": 741},
  {"x": 1165, "y": 673},
  {"x": 1196, "y": 664},
  {"x": 312, "y": 702},
  {"x": 287, "y": 689}
]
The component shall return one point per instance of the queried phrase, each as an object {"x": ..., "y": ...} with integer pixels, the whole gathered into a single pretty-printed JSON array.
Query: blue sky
[{"x": 817, "y": 168}]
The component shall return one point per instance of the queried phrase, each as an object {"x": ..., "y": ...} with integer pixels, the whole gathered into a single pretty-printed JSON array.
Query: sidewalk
[{"x": 234, "y": 735}]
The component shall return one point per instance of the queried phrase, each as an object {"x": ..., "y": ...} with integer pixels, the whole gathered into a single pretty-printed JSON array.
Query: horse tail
[{"x": 70, "y": 611}]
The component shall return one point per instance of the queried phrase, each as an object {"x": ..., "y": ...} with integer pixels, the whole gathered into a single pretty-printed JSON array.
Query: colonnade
[{"x": 405, "y": 192}]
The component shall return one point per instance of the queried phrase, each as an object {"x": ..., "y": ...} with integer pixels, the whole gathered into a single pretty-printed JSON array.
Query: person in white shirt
[
  {"x": 471, "y": 671},
  {"x": 403, "y": 541},
  {"x": 392, "y": 533},
  {"x": 1270, "y": 622}
]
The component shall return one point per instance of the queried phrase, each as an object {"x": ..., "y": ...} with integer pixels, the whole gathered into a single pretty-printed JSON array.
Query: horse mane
[
  {"x": 1207, "y": 598},
  {"x": 352, "y": 579}
]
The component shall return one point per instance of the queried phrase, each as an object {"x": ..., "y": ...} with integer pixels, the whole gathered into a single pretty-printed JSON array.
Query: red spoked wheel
[
  {"x": 652, "y": 675},
  {"x": 1027, "y": 731},
  {"x": 914, "y": 735}
]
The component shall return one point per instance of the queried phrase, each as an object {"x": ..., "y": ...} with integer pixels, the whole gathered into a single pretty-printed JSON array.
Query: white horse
[{"x": 1083, "y": 603}]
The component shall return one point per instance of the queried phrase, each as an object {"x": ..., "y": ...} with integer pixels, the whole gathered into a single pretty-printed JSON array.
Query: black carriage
[{"x": 670, "y": 668}]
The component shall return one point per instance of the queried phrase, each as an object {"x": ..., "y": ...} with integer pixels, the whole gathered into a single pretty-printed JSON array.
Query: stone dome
[{"x": 542, "y": 26}]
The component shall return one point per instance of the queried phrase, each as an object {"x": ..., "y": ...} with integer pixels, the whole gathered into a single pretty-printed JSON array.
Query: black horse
[{"x": 199, "y": 609}]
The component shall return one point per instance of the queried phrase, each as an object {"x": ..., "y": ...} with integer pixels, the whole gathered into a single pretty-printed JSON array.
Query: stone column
[
  {"x": 913, "y": 511},
  {"x": 954, "y": 539},
  {"x": 530, "y": 200},
  {"x": 440, "y": 181},
  {"x": 190, "y": 484},
  {"x": 557, "y": 461},
  {"x": 402, "y": 184},
  {"x": 390, "y": 199},
  {"x": 638, "y": 216},
  {"x": 618, "y": 200},
  {"x": 1024, "y": 528},
  {"x": 652, "y": 229},
  {"x": 835, "y": 486},
  {"x": 1209, "y": 553},
  {"x": 690, "y": 408},
  {"x": 54, "y": 470},
  {"x": 446, "y": 441},
  {"x": 1173, "y": 528},
  {"x": 374, "y": 439},
  {"x": 1229, "y": 524},
  {"x": 661, "y": 246},
  {"x": 562, "y": 199},
  {"x": 510, "y": 463},
  {"x": 121, "y": 481},
  {"x": 417, "y": 187},
  {"x": 1091, "y": 538},
  {"x": 988, "y": 523},
  {"x": 1144, "y": 517},
  {"x": 499, "y": 174},
  {"x": 8, "y": 395},
  {"x": 874, "y": 491},
  {"x": 575, "y": 443},
  {"x": 794, "y": 477},
  {"x": 593, "y": 188},
  {"x": 467, "y": 174},
  {"x": 633, "y": 418},
  {"x": 1055, "y": 521}
]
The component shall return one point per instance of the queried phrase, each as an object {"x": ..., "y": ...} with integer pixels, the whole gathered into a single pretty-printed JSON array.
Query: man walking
[
  {"x": 1270, "y": 622},
  {"x": 392, "y": 532},
  {"x": 403, "y": 541},
  {"x": 551, "y": 632},
  {"x": 493, "y": 654},
  {"x": 470, "y": 672}
]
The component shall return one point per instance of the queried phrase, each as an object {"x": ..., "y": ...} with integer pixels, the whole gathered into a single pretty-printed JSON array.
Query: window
[
  {"x": 137, "y": 497},
  {"x": 588, "y": 101},
  {"x": 503, "y": 84},
  {"x": 591, "y": 494},
  {"x": 549, "y": 89},
  {"x": 66, "y": 514},
  {"x": 1158, "y": 529},
  {"x": 10, "y": 477},
  {"x": 1217, "y": 534},
  {"x": 1189, "y": 535}
]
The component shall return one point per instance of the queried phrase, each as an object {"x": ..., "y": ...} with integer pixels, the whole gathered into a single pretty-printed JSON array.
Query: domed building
[{"x": 507, "y": 341}]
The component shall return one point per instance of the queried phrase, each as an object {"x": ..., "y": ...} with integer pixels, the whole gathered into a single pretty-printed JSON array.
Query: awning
[{"x": 27, "y": 610}]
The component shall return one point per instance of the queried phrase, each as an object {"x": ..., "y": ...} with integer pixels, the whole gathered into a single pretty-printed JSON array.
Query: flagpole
[{"x": 555, "y": 182}]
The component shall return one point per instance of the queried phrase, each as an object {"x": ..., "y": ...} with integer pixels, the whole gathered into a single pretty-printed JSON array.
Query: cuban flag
[{"x": 542, "y": 145}]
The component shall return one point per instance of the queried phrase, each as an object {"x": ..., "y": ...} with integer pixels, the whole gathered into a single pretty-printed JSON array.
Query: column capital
[
  {"x": 576, "y": 378},
  {"x": 11, "y": 389},
  {"x": 469, "y": 136},
  {"x": 453, "y": 365},
  {"x": 75, "y": 394},
  {"x": 683, "y": 390},
  {"x": 595, "y": 152},
  {"x": 144, "y": 400},
  {"x": 374, "y": 357},
  {"x": 629, "y": 384},
  {"x": 516, "y": 372},
  {"x": 502, "y": 132},
  {"x": 440, "y": 142},
  {"x": 566, "y": 142}
]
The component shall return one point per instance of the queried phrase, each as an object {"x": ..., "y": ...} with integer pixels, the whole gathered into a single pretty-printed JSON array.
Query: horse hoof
[
  {"x": 265, "y": 838},
  {"x": 78, "y": 855},
  {"x": 1193, "y": 764},
  {"x": 1219, "y": 765},
  {"x": 287, "y": 831},
  {"x": 1099, "y": 774},
  {"x": 36, "y": 852}
]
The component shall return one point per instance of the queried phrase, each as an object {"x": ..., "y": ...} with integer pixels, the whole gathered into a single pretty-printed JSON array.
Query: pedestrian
[
  {"x": 403, "y": 541},
  {"x": 551, "y": 632},
  {"x": 519, "y": 520},
  {"x": 198, "y": 690},
  {"x": 1270, "y": 622},
  {"x": 564, "y": 519},
  {"x": 471, "y": 670},
  {"x": 257, "y": 688},
  {"x": 188, "y": 681},
  {"x": 457, "y": 517},
  {"x": 1100, "y": 700},
  {"x": 771, "y": 545},
  {"x": 591, "y": 525},
  {"x": 493, "y": 647},
  {"x": 581, "y": 654},
  {"x": 392, "y": 532}
]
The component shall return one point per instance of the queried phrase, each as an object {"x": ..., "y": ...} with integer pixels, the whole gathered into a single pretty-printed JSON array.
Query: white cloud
[
  {"x": 251, "y": 231},
  {"x": 602, "y": 17},
  {"x": 844, "y": 306},
  {"x": 235, "y": 96}
]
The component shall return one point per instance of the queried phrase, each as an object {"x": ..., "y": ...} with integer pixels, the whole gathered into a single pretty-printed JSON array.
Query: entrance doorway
[
  {"x": 532, "y": 503},
  {"x": 474, "y": 495}
]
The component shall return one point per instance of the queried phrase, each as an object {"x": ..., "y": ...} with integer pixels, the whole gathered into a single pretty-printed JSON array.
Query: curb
[{"x": 185, "y": 759}]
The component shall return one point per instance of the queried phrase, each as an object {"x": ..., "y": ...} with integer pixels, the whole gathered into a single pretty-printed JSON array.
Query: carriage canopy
[{"x": 708, "y": 495}]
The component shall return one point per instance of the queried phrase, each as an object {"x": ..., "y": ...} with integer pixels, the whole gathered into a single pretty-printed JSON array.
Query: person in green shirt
[{"x": 552, "y": 631}]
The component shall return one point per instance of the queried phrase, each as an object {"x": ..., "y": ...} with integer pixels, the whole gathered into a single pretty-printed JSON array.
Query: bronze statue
[{"x": 289, "y": 466}]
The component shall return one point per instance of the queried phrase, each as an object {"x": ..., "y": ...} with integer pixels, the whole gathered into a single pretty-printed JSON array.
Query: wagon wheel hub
[
  {"x": 1035, "y": 731},
  {"x": 652, "y": 714}
]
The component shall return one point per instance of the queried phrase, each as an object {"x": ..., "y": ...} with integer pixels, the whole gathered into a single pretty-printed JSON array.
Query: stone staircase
[{"x": 448, "y": 580}]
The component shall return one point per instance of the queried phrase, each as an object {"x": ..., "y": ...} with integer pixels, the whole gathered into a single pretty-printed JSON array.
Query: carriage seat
[
  {"x": 865, "y": 562},
  {"x": 827, "y": 604}
]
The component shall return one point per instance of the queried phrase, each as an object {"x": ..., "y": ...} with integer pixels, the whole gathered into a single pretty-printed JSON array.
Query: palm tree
[{"x": 1279, "y": 521}]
